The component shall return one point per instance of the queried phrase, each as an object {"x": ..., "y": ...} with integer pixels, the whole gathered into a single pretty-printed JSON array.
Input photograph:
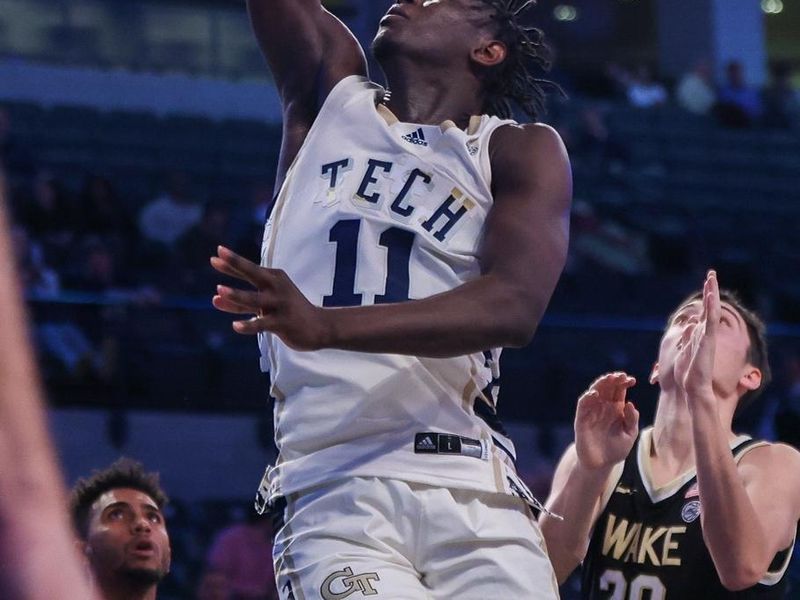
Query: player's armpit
[{"x": 527, "y": 231}]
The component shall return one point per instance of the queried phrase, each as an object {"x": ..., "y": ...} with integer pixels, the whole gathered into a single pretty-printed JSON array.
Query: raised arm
[
  {"x": 756, "y": 504},
  {"x": 524, "y": 251},
  {"x": 308, "y": 49},
  {"x": 36, "y": 544},
  {"x": 606, "y": 427}
]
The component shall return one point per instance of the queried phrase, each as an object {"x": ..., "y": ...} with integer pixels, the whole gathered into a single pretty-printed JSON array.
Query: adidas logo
[
  {"x": 426, "y": 443},
  {"x": 416, "y": 137}
]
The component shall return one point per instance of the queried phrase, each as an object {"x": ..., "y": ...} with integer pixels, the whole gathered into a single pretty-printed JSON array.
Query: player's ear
[
  {"x": 490, "y": 54},
  {"x": 751, "y": 379},
  {"x": 653, "y": 379}
]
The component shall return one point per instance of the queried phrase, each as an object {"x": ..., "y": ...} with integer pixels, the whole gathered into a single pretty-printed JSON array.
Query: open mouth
[{"x": 144, "y": 547}]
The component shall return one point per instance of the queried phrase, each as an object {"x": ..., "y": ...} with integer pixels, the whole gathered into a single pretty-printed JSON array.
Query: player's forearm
[
  {"x": 576, "y": 502},
  {"x": 476, "y": 316},
  {"x": 731, "y": 527},
  {"x": 35, "y": 536}
]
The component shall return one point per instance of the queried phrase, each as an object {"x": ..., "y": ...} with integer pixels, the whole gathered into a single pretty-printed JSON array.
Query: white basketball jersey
[{"x": 370, "y": 213}]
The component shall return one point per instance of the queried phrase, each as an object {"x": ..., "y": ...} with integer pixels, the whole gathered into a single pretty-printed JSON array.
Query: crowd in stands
[{"x": 732, "y": 100}]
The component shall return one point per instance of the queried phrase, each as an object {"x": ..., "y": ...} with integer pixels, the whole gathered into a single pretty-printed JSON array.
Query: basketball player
[
  {"x": 117, "y": 514},
  {"x": 413, "y": 236},
  {"x": 37, "y": 557},
  {"x": 687, "y": 508}
]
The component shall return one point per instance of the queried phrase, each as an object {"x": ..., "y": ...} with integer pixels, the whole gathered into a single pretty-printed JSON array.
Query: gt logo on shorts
[{"x": 346, "y": 584}]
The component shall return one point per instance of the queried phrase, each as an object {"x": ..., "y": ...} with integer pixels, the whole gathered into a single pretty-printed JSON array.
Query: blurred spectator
[
  {"x": 103, "y": 213},
  {"x": 97, "y": 271},
  {"x": 49, "y": 216},
  {"x": 197, "y": 245},
  {"x": 14, "y": 156},
  {"x": 644, "y": 91},
  {"x": 739, "y": 104},
  {"x": 695, "y": 92},
  {"x": 250, "y": 232},
  {"x": 781, "y": 102},
  {"x": 595, "y": 143},
  {"x": 604, "y": 242},
  {"x": 167, "y": 217},
  {"x": 239, "y": 563},
  {"x": 37, "y": 278}
]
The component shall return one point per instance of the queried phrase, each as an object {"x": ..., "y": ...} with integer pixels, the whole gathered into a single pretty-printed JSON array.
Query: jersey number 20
[
  {"x": 614, "y": 581},
  {"x": 398, "y": 243}
]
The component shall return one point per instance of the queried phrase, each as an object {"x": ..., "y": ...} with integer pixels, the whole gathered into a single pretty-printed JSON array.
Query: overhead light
[
  {"x": 565, "y": 12},
  {"x": 772, "y": 7}
]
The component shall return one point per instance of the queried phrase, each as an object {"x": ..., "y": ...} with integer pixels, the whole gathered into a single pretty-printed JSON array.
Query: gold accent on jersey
[{"x": 640, "y": 544}]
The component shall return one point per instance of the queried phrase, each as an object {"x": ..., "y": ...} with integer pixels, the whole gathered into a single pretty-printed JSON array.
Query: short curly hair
[{"x": 123, "y": 473}]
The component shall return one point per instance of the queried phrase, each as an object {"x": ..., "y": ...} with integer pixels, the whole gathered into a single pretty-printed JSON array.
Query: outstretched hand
[
  {"x": 606, "y": 425},
  {"x": 276, "y": 303},
  {"x": 694, "y": 367}
]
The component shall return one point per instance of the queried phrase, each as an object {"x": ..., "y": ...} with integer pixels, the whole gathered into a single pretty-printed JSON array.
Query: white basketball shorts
[{"x": 394, "y": 540}]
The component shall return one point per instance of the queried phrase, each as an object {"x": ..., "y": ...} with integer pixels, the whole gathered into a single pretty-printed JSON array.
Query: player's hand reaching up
[
  {"x": 276, "y": 303},
  {"x": 694, "y": 367},
  {"x": 606, "y": 424}
]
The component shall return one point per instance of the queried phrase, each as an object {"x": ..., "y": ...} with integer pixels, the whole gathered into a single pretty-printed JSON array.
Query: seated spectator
[
  {"x": 103, "y": 214},
  {"x": 97, "y": 270},
  {"x": 781, "y": 101},
  {"x": 166, "y": 218},
  {"x": 739, "y": 104},
  {"x": 239, "y": 563},
  {"x": 592, "y": 140},
  {"x": 644, "y": 91},
  {"x": 49, "y": 216},
  {"x": 607, "y": 243},
  {"x": 15, "y": 157},
  {"x": 193, "y": 249},
  {"x": 37, "y": 278},
  {"x": 695, "y": 92}
]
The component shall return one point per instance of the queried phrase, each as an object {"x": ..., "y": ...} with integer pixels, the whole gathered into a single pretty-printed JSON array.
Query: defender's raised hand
[
  {"x": 694, "y": 367},
  {"x": 279, "y": 307},
  {"x": 606, "y": 425}
]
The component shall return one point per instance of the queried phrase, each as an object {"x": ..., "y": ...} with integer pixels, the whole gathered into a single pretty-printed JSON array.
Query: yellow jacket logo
[{"x": 342, "y": 584}]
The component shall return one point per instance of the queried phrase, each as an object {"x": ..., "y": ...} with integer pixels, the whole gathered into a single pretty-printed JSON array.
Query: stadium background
[{"x": 107, "y": 104}]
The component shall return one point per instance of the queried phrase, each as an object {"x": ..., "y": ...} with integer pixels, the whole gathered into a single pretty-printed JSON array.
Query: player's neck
[
  {"x": 672, "y": 441},
  {"x": 428, "y": 97},
  {"x": 123, "y": 592}
]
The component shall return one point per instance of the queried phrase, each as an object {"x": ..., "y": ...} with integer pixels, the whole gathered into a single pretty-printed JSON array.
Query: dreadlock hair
[
  {"x": 514, "y": 80},
  {"x": 123, "y": 473}
]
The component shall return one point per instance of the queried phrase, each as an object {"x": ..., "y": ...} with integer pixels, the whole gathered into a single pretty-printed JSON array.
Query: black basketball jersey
[{"x": 648, "y": 544}]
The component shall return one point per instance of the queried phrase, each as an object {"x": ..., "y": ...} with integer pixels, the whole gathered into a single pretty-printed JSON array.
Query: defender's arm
[
  {"x": 606, "y": 427},
  {"x": 36, "y": 543},
  {"x": 754, "y": 507},
  {"x": 575, "y": 496},
  {"x": 524, "y": 251}
]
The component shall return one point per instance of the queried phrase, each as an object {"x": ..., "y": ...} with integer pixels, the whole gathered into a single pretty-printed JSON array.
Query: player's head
[
  {"x": 741, "y": 362},
  {"x": 484, "y": 38},
  {"x": 117, "y": 514}
]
